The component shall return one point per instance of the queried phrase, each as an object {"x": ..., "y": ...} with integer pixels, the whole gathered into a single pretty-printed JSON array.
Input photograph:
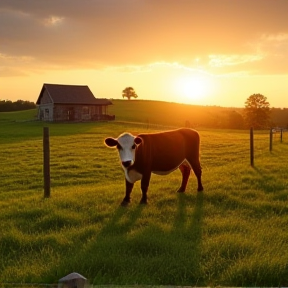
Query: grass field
[{"x": 233, "y": 234}]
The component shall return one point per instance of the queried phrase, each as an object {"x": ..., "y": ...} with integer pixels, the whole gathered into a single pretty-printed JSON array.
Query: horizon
[
  {"x": 169, "y": 102},
  {"x": 208, "y": 53}
]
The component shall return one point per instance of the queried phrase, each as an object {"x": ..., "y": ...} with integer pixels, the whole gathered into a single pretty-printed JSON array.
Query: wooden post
[
  {"x": 46, "y": 162},
  {"x": 281, "y": 135},
  {"x": 271, "y": 139},
  {"x": 251, "y": 147}
]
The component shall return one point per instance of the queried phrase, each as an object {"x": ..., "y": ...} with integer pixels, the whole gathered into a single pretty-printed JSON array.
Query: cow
[{"x": 159, "y": 153}]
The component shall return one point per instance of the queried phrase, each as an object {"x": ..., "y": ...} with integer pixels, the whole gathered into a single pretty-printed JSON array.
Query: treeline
[
  {"x": 234, "y": 118},
  {"x": 279, "y": 117},
  {"x": 8, "y": 105}
]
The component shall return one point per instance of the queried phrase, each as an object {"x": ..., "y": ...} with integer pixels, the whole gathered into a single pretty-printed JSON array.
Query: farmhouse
[{"x": 57, "y": 102}]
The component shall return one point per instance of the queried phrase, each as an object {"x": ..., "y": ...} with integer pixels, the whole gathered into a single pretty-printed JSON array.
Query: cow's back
[{"x": 165, "y": 151}]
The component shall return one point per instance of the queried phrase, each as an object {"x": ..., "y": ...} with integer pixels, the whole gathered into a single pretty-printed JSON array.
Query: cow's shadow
[
  {"x": 130, "y": 242},
  {"x": 188, "y": 224}
]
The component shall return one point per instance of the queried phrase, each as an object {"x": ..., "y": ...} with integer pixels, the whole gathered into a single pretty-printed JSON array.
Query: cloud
[
  {"x": 53, "y": 21},
  {"x": 156, "y": 66},
  {"x": 276, "y": 44},
  {"x": 73, "y": 34},
  {"x": 280, "y": 37},
  {"x": 13, "y": 65},
  {"x": 11, "y": 72},
  {"x": 232, "y": 60},
  {"x": 274, "y": 49},
  {"x": 269, "y": 56}
]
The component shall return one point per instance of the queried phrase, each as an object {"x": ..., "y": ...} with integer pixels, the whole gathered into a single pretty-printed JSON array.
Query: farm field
[{"x": 234, "y": 233}]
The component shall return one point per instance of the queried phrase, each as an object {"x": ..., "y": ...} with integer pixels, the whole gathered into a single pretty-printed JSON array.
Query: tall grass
[{"x": 232, "y": 234}]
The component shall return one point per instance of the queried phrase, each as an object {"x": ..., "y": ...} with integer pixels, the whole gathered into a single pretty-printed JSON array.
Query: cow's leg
[
  {"x": 144, "y": 187},
  {"x": 185, "y": 170},
  {"x": 129, "y": 187},
  {"x": 198, "y": 172}
]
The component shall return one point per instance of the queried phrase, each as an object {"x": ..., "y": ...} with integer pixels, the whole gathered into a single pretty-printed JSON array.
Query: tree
[
  {"x": 257, "y": 111},
  {"x": 129, "y": 92},
  {"x": 8, "y": 105},
  {"x": 235, "y": 120}
]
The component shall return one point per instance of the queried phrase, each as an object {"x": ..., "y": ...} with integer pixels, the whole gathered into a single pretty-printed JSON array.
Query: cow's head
[{"x": 126, "y": 144}]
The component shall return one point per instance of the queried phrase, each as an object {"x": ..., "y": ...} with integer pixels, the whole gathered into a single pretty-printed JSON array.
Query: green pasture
[{"x": 234, "y": 233}]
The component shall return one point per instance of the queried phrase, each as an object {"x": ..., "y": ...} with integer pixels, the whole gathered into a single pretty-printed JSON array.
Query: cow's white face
[{"x": 126, "y": 144}]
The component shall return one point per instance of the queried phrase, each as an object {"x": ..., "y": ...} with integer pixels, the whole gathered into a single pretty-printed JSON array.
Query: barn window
[{"x": 85, "y": 110}]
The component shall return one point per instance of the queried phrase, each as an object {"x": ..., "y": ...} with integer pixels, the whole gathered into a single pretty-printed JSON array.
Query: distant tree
[
  {"x": 129, "y": 92},
  {"x": 8, "y": 105},
  {"x": 279, "y": 117},
  {"x": 257, "y": 111},
  {"x": 236, "y": 120}
]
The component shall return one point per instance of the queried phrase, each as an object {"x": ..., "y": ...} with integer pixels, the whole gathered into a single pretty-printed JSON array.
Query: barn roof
[{"x": 71, "y": 94}]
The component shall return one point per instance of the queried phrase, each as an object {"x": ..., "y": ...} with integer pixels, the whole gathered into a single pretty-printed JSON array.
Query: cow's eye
[
  {"x": 133, "y": 146},
  {"x": 119, "y": 146}
]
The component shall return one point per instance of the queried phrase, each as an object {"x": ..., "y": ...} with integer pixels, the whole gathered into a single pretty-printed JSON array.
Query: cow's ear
[
  {"x": 137, "y": 140},
  {"x": 111, "y": 142}
]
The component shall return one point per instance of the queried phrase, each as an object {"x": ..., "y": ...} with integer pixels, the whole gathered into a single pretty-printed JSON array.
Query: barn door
[{"x": 71, "y": 114}]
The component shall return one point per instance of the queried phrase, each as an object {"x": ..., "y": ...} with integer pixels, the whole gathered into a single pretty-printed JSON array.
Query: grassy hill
[
  {"x": 232, "y": 234},
  {"x": 25, "y": 115},
  {"x": 170, "y": 114},
  {"x": 166, "y": 113}
]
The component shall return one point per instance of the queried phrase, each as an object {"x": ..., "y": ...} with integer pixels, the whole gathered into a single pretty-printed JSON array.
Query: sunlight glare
[{"x": 192, "y": 88}]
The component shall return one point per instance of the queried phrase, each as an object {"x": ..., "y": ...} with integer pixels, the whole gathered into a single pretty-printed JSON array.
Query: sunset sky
[{"x": 204, "y": 52}]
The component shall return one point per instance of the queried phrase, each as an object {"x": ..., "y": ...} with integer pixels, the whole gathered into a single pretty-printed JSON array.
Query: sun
[{"x": 192, "y": 88}]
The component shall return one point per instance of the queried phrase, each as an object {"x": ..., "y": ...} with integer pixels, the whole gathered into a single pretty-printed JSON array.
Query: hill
[
  {"x": 24, "y": 115},
  {"x": 170, "y": 114},
  {"x": 176, "y": 114}
]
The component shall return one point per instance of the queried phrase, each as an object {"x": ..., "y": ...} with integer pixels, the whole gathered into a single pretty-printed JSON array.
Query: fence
[{"x": 272, "y": 132}]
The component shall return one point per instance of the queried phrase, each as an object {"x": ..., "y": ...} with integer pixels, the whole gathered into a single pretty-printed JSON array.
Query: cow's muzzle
[{"x": 126, "y": 164}]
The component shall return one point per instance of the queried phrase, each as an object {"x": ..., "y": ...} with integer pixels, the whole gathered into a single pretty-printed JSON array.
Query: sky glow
[{"x": 197, "y": 52}]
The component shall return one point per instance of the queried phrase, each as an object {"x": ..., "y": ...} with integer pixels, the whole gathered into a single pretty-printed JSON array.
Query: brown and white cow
[{"x": 158, "y": 153}]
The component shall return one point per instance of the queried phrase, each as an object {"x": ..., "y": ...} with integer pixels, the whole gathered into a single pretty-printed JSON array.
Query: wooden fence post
[
  {"x": 281, "y": 135},
  {"x": 251, "y": 147},
  {"x": 271, "y": 139},
  {"x": 46, "y": 162}
]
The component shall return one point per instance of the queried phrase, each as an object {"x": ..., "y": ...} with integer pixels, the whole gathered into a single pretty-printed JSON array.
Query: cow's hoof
[
  {"x": 143, "y": 201},
  {"x": 125, "y": 203},
  {"x": 181, "y": 190},
  {"x": 200, "y": 189}
]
